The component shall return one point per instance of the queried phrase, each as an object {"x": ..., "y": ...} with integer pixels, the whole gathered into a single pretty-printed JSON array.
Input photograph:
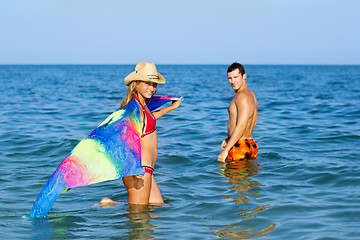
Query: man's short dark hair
[{"x": 235, "y": 66}]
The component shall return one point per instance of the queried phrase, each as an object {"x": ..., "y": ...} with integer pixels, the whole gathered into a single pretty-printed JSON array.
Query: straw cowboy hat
[{"x": 145, "y": 72}]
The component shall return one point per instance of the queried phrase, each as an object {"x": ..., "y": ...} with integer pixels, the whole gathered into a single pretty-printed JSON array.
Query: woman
[{"x": 143, "y": 189}]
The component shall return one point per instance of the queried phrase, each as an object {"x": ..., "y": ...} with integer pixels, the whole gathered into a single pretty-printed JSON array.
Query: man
[{"x": 242, "y": 118}]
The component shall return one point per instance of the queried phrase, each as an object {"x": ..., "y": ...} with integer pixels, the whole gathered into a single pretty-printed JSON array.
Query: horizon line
[{"x": 179, "y": 64}]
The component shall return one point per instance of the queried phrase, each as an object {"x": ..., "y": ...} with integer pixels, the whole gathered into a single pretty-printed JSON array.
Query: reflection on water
[
  {"x": 134, "y": 223},
  {"x": 57, "y": 227},
  {"x": 232, "y": 233},
  {"x": 139, "y": 218},
  {"x": 238, "y": 174},
  {"x": 43, "y": 228}
]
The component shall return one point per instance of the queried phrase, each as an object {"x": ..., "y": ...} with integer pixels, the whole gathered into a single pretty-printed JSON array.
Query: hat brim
[{"x": 136, "y": 76}]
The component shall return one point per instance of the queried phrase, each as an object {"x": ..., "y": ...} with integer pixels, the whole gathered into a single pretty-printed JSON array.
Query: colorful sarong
[{"x": 244, "y": 148}]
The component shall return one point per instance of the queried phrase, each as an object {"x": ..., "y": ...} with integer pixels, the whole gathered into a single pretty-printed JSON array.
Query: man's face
[{"x": 235, "y": 79}]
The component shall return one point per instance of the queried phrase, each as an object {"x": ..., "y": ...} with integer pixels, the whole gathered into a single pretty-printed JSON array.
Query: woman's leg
[
  {"x": 138, "y": 188},
  {"x": 142, "y": 189},
  {"x": 155, "y": 194},
  {"x": 106, "y": 200}
]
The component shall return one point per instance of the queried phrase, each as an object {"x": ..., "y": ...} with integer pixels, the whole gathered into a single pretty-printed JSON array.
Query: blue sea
[{"x": 304, "y": 183}]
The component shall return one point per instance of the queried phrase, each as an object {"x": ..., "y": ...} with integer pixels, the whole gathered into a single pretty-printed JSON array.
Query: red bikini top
[{"x": 149, "y": 121}]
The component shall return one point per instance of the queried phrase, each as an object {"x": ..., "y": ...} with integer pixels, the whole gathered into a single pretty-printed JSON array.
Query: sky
[{"x": 180, "y": 32}]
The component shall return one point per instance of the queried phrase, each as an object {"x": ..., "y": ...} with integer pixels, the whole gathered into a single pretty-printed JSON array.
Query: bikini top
[{"x": 149, "y": 121}]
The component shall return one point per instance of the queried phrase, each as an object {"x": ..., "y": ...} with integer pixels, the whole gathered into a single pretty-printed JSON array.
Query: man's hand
[
  {"x": 223, "y": 144},
  {"x": 222, "y": 156}
]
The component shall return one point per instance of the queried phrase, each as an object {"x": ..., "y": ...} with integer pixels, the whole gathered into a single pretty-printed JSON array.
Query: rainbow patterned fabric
[{"x": 109, "y": 152}]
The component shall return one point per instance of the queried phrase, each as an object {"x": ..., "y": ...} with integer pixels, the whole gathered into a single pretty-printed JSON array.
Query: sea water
[{"x": 303, "y": 185}]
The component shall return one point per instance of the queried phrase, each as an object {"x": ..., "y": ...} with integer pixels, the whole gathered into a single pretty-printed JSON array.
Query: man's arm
[{"x": 243, "y": 113}]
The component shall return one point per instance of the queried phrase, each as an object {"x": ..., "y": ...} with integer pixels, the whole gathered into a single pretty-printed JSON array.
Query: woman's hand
[{"x": 176, "y": 103}]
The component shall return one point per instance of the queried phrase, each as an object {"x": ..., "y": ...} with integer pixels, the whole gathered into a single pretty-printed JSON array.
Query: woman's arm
[{"x": 158, "y": 114}]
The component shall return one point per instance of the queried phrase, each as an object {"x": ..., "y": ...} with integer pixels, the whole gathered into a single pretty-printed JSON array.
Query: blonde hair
[{"x": 130, "y": 94}]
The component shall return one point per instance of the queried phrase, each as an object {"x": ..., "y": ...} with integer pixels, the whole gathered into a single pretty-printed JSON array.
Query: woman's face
[{"x": 147, "y": 89}]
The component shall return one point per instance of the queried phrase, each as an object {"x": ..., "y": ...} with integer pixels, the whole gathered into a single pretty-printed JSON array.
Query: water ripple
[{"x": 303, "y": 185}]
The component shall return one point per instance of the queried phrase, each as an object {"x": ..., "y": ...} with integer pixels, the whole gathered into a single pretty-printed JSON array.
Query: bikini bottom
[{"x": 148, "y": 169}]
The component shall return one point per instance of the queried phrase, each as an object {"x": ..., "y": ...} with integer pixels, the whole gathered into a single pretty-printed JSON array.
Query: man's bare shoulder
[{"x": 244, "y": 98}]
